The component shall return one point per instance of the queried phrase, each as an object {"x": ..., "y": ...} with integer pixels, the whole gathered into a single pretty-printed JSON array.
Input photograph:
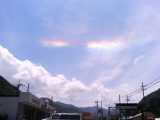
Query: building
[
  {"x": 126, "y": 109},
  {"x": 26, "y": 105}
]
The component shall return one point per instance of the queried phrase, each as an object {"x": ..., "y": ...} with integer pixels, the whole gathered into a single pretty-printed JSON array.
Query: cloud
[
  {"x": 110, "y": 94},
  {"x": 139, "y": 59},
  {"x": 58, "y": 43},
  {"x": 69, "y": 90},
  {"x": 143, "y": 24},
  {"x": 40, "y": 79},
  {"x": 99, "y": 44},
  {"x": 42, "y": 83},
  {"x": 121, "y": 48},
  {"x": 105, "y": 44},
  {"x": 74, "y": 91},
  {"x": 105, "y": 76}
]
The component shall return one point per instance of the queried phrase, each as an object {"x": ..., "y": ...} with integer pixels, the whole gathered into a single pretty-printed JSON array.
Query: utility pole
[
  {"x": 119, "y": 99},
  {"x": 52, "y": 106},
  {"x": 28, "y": 88},
  {"x": 101, "y": 111},
  {"x": 120, "y": 106},
  {"x": 144, "y": 101},
  {"x": 97, "y": 109},
  {"x": 52, "y": 98},
  {"x": 143, "y": 89},
  {"x": 109, "y": 111},
  {"x": 127, "y": 99}
]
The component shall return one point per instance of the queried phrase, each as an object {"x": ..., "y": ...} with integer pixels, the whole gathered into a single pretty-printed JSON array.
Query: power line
[
  {"x": 152, "y": 85},
  {"x": 153, "y": 81},
  {"x": 135, "y": 93},
  {"x": 143, "y": 88},
  {"x": 132, "y": 93}
]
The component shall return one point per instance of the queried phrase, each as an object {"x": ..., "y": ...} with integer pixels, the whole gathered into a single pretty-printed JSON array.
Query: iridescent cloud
[
  {"x": 105, "y": 44},
  {"x": 91, "y": 44},
  {"x": 55, "y": 43}
]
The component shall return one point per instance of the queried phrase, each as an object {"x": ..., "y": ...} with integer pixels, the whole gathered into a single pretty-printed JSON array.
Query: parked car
[{"x": 65, "y": 116}]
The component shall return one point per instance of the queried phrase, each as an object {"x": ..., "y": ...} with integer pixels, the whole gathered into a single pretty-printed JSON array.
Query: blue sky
[{"x": 103, "y": 47}]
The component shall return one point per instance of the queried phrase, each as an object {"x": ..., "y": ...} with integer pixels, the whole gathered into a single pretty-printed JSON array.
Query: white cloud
[
  {"x": 109, "y": 74},
  {"x": 128, "y": 60},
  {"x": 139, "y": 59},
  {"x": 144, "y": 23},
  {"x": 42, "y": 83}
]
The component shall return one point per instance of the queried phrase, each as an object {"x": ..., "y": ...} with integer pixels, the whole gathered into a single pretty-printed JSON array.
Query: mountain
[
  {"x": 69, "y": 108},
  {"x": 62, "y": 107},
  {"x": 6, "y": 88}
]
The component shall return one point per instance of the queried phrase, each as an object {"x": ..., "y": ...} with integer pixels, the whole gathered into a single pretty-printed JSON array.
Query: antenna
[{"x": 20, "y": 84}]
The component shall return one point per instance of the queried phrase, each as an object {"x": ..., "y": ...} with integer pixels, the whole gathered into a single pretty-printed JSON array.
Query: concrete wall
[
  {"x": 24, "y": 97},
  {"x": 9, "y": 106},
  {"x": 20, "y": 111}
]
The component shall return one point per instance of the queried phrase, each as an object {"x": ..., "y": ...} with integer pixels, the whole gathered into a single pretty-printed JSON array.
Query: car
[{"x": 65, "y": 116}]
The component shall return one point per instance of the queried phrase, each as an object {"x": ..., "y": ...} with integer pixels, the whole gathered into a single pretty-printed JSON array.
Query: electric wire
[
  {"x": 153, "y": 81},
  {"x": 135, "y": 93},
  {"x": 147, "y": 86},
  {"x": 152, "y": 85}
]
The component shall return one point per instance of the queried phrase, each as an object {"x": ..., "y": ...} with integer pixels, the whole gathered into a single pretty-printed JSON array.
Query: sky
[{"x": 80, "y": 51}]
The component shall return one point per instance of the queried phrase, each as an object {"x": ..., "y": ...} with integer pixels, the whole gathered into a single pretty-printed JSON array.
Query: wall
[{"x": 9, "y": 106}]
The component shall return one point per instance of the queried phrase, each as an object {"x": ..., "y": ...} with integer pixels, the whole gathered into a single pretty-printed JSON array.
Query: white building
[{"x": 25, "y": 105}]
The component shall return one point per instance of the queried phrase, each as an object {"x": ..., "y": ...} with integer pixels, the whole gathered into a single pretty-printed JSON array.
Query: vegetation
[
  {"x": 151, "y": 103},
  {"x": 6, "y": 88}
]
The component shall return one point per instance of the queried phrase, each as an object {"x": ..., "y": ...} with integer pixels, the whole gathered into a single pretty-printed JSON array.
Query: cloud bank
[{"x": 43, "y": 84}]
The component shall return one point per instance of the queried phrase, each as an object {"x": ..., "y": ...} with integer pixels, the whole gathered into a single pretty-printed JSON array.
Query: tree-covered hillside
[
  {"x": 151, "y": 103},
  {"x": 6, "y": 88}
]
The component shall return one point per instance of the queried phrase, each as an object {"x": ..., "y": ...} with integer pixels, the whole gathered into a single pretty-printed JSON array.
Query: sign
[{"x": 35, "y": 101}]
